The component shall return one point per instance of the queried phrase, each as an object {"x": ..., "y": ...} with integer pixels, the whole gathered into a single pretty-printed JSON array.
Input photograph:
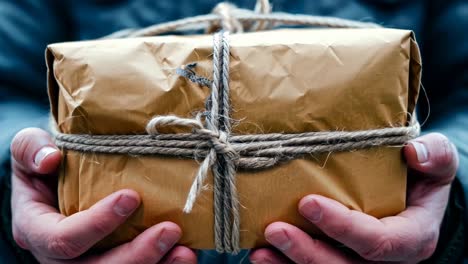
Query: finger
[
  {"x": 31, "y": 199},
  {"x": 267, "y": 256},
  {"x": 407, "y": 236},
  {"x": 180, "y": 255},
  {"x": 45, "y": 230},
  {"x": 433, "y": 154},
  {"x": 300, "y": 247},
  {"x": 33, "y": 150},
  {"x": 150, "y": 247}
]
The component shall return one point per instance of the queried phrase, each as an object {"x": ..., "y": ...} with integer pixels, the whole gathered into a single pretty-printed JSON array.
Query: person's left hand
[{"x": 409, "y": 237}]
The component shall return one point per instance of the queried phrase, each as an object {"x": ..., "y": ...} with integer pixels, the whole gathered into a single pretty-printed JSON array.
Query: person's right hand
[{"x": 54, "y": 238}]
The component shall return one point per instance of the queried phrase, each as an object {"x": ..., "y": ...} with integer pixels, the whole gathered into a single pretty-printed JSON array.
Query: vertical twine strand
[
  {"x": 213, "y": 124},
  {"x": 230, "y": 170},
  {"x": 221, "y": 157},
  {"x": 225, "y": 193}
]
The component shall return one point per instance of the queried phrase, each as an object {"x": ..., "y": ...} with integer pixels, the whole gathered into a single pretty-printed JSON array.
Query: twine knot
[
  {"x": 229, "y": 13},
  {"x": 229, "y": 22},
  {"x": 221, "y": 145},
  {"x": 218, "y": 140}
]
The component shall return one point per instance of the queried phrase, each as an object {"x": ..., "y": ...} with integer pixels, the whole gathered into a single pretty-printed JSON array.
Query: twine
[
  {"x": 229, "y": 17},
  {"x": 211, "y": 139},
  {"x": 260, "y": 151}
]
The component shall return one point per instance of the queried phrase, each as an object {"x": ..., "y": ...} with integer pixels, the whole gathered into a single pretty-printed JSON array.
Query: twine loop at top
[
  {"x": 228, "y": 21},
  {"x": 229, "y": 17},
  {"x": 228, "y": 14}
]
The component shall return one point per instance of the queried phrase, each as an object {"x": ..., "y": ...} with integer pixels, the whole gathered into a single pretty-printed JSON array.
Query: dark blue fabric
[
  {"x": 27, "y": 26},
  {"x": 211, "y": 256}
]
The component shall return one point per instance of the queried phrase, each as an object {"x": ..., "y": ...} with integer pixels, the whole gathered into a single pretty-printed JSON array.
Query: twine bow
[{"x": 218, "y": 141}]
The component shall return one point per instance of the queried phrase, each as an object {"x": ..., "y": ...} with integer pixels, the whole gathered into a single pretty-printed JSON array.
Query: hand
[
  {"x": 409, "y": 237},
  {"x": 54, "y": 238}
]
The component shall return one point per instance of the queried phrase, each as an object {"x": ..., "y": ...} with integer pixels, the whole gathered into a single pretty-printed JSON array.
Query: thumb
[
  {"x": 33, "y": 150},
  {"x": 434, "y": 155}
]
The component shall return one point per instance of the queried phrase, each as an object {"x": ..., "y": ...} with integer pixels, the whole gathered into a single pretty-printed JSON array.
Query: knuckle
[
  {"x": 381, "y": 249},
  {"x": 308, "y": 260},
  {"x": 446, "y": 155},
  {"x": 19, "y": 238},
  {"x": 429, "y": 245},
  {"x": 443, "y": 157},
  {"x": 101, "y": 226},
  {"x": 20, "y": 145},
  {"x": 23, "y": 143},
  {"x": 340, "y": 230},
  {"x": 306, "y": 257},
  {"x": 59, "y": 245},
  {"x": 142, "y": 258}
]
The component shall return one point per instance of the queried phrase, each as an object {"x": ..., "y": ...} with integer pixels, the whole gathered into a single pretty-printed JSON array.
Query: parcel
[{"x": 154, "y": 113}]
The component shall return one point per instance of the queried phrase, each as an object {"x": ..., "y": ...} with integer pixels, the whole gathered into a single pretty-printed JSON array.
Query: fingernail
[
  {"x": 279, "y": 239},
  {"x": 43, "y": 153},
  {"x": 125, "y": 205},
  {"x": 167, "y": 240},
  {"x": 421, "y": 151},
  {"x": 311, "y": 210}
]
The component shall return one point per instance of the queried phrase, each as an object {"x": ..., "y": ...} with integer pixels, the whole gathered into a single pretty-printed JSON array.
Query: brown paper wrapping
[{"x": 281, "y": 81}]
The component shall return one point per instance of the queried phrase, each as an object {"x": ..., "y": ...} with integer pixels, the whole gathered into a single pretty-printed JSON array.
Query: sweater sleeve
[
  {"x": 445, "y": 77},
  {"x": 26, "y": 27}
]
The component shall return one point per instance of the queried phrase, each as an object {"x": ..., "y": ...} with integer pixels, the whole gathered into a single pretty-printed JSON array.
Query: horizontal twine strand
[
  {"x": 276, "y": 18},
  {"x": 270, "y": 148}
]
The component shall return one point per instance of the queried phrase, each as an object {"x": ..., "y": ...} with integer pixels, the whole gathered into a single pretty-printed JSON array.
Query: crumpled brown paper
[{"x": 292, "y": 81}]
